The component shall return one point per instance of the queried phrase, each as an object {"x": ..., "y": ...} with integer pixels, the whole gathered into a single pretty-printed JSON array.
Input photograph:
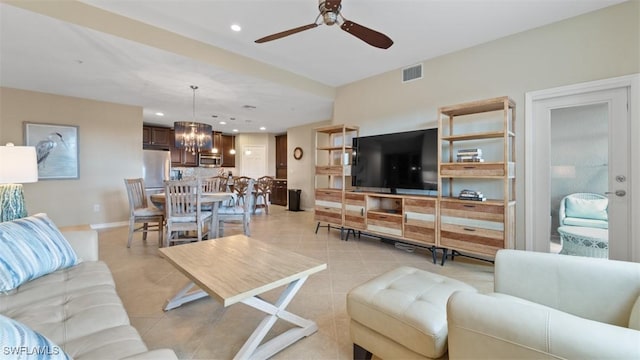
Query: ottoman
[{"x": 401, "y": 314}]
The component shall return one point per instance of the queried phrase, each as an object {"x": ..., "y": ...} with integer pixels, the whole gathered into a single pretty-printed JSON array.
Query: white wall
[{"x": 597, "y": 45}]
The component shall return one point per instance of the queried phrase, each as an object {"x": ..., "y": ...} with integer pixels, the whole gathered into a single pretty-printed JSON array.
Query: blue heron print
[{"x": 44, "y": 148}]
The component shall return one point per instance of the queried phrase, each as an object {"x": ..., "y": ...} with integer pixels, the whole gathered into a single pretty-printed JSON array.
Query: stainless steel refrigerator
[{"x": 156, "y": 167}]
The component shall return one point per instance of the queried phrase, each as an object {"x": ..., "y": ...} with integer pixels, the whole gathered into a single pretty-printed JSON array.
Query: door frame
[{"x": 632, "y": 82}]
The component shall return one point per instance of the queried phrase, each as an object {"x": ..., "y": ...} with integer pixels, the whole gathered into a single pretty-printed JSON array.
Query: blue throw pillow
[
  {"x": 595, "y": 209},
  {"x": 18, "y": 341},
  {"x": 29, "y": 248}
]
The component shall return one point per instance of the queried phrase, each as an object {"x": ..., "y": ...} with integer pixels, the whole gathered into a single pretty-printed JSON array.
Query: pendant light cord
[{"x": 194, "y": 88}]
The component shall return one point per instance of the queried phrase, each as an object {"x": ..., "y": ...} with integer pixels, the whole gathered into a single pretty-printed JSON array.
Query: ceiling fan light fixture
[{"x": 329, "y": 10}]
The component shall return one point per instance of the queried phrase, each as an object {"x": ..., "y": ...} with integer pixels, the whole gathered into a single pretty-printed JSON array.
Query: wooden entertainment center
[{"x": 435, "y": 222}]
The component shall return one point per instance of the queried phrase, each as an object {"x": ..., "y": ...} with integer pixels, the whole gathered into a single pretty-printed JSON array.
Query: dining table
[{"x": 207, "y": 199}]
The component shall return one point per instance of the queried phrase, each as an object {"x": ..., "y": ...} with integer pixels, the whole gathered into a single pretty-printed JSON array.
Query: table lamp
[{"x": 18, "y": 165}]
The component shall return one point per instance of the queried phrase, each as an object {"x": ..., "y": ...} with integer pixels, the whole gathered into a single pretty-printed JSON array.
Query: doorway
[
  {"x": 579, "y": 166},
  {"x": 561, "y": 158}
]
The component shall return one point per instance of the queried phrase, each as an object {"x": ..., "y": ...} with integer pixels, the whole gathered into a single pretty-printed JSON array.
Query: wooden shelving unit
[
  {"x": 477, "y": 227},
  {"x": 333, "y": 173}
]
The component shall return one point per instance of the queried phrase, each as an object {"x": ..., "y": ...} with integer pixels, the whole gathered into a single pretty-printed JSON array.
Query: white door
[
  {"x": 254, "y": 161},
  {"x": 618, "y": 174}
]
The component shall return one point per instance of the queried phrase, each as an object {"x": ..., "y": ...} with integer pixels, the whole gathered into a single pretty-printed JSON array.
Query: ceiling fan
[{"x": 330, "y": 13}]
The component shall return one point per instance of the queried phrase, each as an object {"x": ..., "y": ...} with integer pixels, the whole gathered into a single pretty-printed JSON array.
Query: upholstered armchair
[
  {"x": 548, "y": 306},
  {"x": 584, "y": 209}
]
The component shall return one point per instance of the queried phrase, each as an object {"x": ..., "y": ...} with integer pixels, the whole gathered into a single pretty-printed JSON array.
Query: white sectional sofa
[
  {"x": 77, "y": 309},
  {"x": 548, "y": 306}
]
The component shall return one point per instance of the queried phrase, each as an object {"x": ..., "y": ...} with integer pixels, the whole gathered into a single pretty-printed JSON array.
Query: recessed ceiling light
[
  {"x": 223, "y": 123},
  {"x": 235, "y": 130},
  {"x": 159, "y": 114},
  {"x": 236, "y": 27},
  {"x": 263, "y": 128}
]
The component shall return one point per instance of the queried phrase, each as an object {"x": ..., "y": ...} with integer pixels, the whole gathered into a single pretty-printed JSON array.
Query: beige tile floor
[{"x": 205, "y": 330}]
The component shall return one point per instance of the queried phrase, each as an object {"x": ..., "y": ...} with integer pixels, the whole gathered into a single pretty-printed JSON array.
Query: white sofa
[
  {"x": 78, "y": 308},
  {"x": 549, "y": 306}
]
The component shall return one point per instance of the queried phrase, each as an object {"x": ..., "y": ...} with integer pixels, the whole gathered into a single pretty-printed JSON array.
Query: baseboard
[{"x": 109, "y": 225}]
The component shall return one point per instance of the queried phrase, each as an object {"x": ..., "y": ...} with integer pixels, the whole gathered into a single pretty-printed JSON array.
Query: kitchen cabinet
[
  {"x": 279, "y": 192},
  {"x": 216, "y": 138},
  {"x": 228, "y": 143},
  {"x": 156, "y": 137},
  {"x": 281, "y": 156}
]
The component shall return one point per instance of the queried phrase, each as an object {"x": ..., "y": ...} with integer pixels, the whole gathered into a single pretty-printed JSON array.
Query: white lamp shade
[{"x": 18, "y": 164}]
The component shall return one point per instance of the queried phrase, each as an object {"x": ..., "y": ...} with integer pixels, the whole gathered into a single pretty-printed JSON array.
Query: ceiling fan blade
[
  {"x": 286, "y": 33},
  {"x": 367, "y": 35}
]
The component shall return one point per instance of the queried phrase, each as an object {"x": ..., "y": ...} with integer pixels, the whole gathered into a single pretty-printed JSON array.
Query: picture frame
[{"x": 57, "y": 149}]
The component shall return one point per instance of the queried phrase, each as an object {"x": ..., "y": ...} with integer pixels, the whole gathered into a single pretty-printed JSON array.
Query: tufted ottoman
[{"x": 401, "y": 314}]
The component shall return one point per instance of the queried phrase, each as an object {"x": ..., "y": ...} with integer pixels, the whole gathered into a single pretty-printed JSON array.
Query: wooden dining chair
[
  {"x": 211, "y": 184},
  {"x": 140, "y": 212},
  {"x": 240, "y": 187},
  {"x": 222, "y": 183},
  {"x": 184, "y": 213},
  {"x": 263, "y": 192},
  {"x": 238, "y": 213}
]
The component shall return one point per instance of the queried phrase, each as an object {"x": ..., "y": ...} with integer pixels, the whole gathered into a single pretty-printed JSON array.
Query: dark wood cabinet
[
  {"x": 228, "y": 143},
  {"x": 279, "y": 192},
  {"x": 281, "y": 157},
  {"x": 156, "y": 137},
  {"x": 217, "y": 142}
]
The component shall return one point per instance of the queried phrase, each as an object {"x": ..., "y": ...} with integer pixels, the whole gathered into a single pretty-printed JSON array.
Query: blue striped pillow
[
  {"x": 29, "y": 248},
  {"x": 20, "y": 342}
]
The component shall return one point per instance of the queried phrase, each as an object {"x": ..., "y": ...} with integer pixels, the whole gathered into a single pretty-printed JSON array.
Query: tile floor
[{"x": 205, "y": 330}]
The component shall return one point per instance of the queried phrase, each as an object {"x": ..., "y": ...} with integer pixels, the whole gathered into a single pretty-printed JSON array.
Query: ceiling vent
[{"x": 411, "y": 73}]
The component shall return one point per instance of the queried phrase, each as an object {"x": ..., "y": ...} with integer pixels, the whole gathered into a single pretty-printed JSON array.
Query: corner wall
[{"x": 110, "y": 143}]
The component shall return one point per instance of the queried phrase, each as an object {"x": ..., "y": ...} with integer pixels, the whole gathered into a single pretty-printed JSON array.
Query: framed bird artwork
[{"x": 57, "y": 149}]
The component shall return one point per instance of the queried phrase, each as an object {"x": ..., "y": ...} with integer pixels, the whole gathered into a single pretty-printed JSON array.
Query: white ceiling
[{"x": 43, "y": 53}]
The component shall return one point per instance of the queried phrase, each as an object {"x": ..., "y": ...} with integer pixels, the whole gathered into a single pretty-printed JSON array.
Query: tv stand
[{"x": 410, "y": 219}]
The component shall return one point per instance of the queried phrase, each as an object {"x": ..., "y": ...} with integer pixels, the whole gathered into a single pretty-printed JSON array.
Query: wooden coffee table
[{"x": 236, "y": 269}]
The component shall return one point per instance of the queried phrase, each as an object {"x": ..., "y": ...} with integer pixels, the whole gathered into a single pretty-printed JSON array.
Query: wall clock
[{"x": 297, "y": 153}]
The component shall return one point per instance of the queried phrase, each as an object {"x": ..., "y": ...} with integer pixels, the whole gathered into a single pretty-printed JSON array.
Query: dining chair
[
  {"x": 211, "y": 184},
  {"x": 184, "y": 212},
  {"x": 263, "y": 191},
  {"x": 238, "y": 213},
  {"x": 222, "y": 183},
  {"x": 240, "y": 187},
  {"x": 140, "y": 212}
]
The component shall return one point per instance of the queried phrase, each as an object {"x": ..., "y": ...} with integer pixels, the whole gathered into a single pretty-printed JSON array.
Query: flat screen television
[{"x": 406, "y": 160}]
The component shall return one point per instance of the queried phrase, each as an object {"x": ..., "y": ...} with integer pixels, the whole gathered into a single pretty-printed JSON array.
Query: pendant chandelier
[{"x": 193, "y": 136}]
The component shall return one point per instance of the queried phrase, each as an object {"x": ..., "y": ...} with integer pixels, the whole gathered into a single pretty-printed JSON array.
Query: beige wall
[
  {"x": 300, "y": 173},
  {"x": 593, "y": 46},
  {"x": 110, "y": 137}
]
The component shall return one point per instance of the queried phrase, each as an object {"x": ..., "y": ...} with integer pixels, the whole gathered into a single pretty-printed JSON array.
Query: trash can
[{"x": 294, "y": 199}]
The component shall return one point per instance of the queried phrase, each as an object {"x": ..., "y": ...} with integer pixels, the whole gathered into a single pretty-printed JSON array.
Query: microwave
[{"x": 209, "y": 160}]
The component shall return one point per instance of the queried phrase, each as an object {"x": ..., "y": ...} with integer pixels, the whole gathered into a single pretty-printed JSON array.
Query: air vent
[{"x": 411, "y": 73}]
